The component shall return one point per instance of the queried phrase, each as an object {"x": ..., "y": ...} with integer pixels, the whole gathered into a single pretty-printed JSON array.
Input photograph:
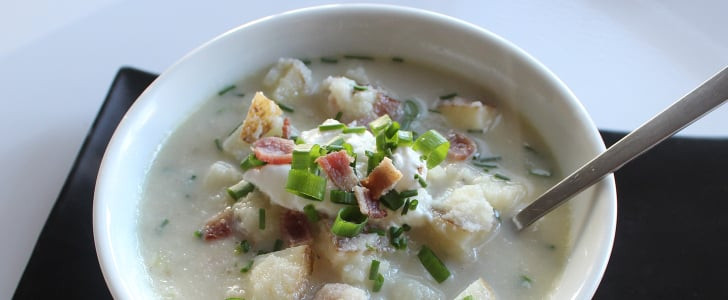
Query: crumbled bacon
[
  {"x": 384, "y": 105},
  {"x": 461, "y": 147},
  {"x": 337, "y": 166},
  {"x": 219, "y": 226},
  {"x": 294, "y": 228},
  {"x": 286, "y": 130},
  {"x": 382, "y": 178},
  {"x": 274, "y": 150},
  {"x": 367, "y": 205}
]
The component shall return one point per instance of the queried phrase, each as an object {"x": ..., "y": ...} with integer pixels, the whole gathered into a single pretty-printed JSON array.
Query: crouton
[
  {"x": 263, "y": 119},
  {"x": 221, "y": 174},
  {"x": 340, "y": 291},
  {"x": 281, "y": 274},
  {"x": 465, "y": 114},
  {"x": 287, "y": 80},
  {"x": 478, "y": 290}
]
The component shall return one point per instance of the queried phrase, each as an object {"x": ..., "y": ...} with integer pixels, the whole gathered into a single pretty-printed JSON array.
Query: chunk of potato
[
  {"x": 464, "y": 114},
  {"x": 246, "y": 217},
  {"x": 478, "y": 290},
  {"x": 410, "y": 288},
  {"x": 282, "y": 274},
  {"x": 340, "y": 291},
  {"x": 221, "y": 174},
  {"x": 287, "y": 80},
  {"x": 354, "y": 104}
]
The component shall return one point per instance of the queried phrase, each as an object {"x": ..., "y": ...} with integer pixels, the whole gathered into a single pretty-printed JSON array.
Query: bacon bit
[
  {"x": 274, "y": 150},
  {"x": 286, "y": 130},
  {"x": 382, "y": 178},
  {"x": 387, "y": 106},
  {"x": 461, "y": 147},
  {"x": 219, "y": 226},
  {"x": 367, "y": 205},
  {"x": 294, "y": 228},
  {"x": 336, "y": 166}
]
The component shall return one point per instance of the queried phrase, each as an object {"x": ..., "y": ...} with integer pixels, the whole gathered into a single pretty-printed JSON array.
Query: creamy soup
[{"x": 351, "y": 177}]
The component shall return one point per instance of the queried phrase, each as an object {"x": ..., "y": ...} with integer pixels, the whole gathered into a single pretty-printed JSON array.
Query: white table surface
[{"x": 625, "y": 60}]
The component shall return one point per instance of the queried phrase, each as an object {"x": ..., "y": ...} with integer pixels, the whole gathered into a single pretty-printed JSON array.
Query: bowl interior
[{"x": 377, "y": 30}]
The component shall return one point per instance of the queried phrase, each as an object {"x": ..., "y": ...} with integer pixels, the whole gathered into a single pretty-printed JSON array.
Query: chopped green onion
[
  {"x": 337, "y": 141},
  {"x": 338, "y": 116},
  {"x": 434, "y": 111},
  {"x": 395, "y": 232},
  {"x": 355, "y": 129},
  {"x": 361, "y": 57},
  {"x": 393, "y": 129},
  {"x": 284, "y": 107},
  {"x": 408, "y": 193},
  {"x": 406, "y": 227},
  {"x": 226, "y": 89},
  {"x": 349, "y": 222},
  {"x": 305, "y": 61},
  {"x": 525, "y": 281},
  {"x": 218, "y": 145},
  {"x": 261, "y": 218},
  {"x": 487, "y": 159},
  {"x": 397, "y": 59},
  {"x": 305, "y": 184},
  {"x": 373, "y": 269},
  {"x": 411, "y": 111},
  {"x": 251, "y": 162},
  {"x": 485, "y": 165},
  {"x": 413, "y": 204},
  {"x": 501, "y": 177},
  {"x": 350, "y": 150},
  {"x": 329, "y": 60},
  {"x": 399, "y": 243},
  {"x": 304, "y": 156},
  {"x": 380, "y": 124},
  {"x": 448, "y": 96},
  {"x": 406, "y": 207},
  {"x": 404, "y": 138},
  {"x": 378, "y": 231},
  {"x": 193, "y": 177},
  {"x": 240, "y": 189},
  {"x": 433, "y": 146},
  {"x": 235, "y": 128},
  {"x": 342, "y": 197},
  {"x": 421, "y": 180},
  {"x": 329, "y": 127},
  {"x": 241, "y": 95},
  {"x": 468, "y": 297},
  {"x": 475, "y": 130},
  {"x": 234, "y": 298},
  {"x": 243, "y": 247},
  {"x": 164, "y": 223},
  {"x": 539, "y": 172},
  {"x": 247, "y": 267},
  {"x": 373, "y": 160},
  {"x": 392, "y": 200},
  {"x": 278, "y": 246},
  {"x": 433, "y": 265},
  {"x": 378, "y": 282},
  {"x": 311, "y": 214},
  {"x": 198, "y": 234},
  {"x": 360, "y": 87}
]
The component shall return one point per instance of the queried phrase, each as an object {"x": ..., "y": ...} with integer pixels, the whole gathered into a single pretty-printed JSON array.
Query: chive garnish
[
  {"x": 406, "y": 227},
  {"x": 226, "y": 89},
  {"x": 261, "y": 218},
  {"x": 251, "y": 162},
  {"x": 311, "y": 214},
  {"x": 434, "y": 111},
  {"x": 413, "y": 204},
  {"x": 329, "y": 60},
  {"x": 405, "y": 207},
  {"x": 421, "y": 180},
  {"x": 397, "y": 59},
  {"x": 551, "y": 247},
  {"x": 378, "y": 282},
  {"x": 392, "y": 200},
  {"x": 234, "y": 128},
  {"x": 361, "y": 57},
  {"x": 501, "y": 177},
  {"x": 355, "y": 129},
  {"x": 284, "y": 107},
  {"x": 526, "y": 281},
  {"x": 234, "y": 298},
  {"x": 374, "y": 269},
  {"x": 433, "y": 264},
  {"x": 448, "y": 96},
  {"x": 247, "y": 267},
  {"x": 198, "y": 234},
  {"x": 338, "y": 116},
  {"x": 475, "y": 131},
  {"x": 240, "y": 189},
  {"x": 360, "y": 87},
  {"x": 241, "y": 95},
  {"x": 408, "y": 193},
  {"x": 539, "y": 172},
  {"x": 469, "y": 297},
  {"x": 329, "y": 127},
  {"x": 486, "y": 159},
  {"x": 164, "y": 223},
  {"x": 243, "y": 247},
  {"x": 349, "y": 222},
  {"x": 378, "y": 231},
  {"x": 486, "y": 166},
  {"x": 218, "y": 145},
  {"x": 278, "y": 246},
  {"x": 305, "y": 61},
  {"x": 342, "y": 197},
  {"x": 193, "y": 177}
]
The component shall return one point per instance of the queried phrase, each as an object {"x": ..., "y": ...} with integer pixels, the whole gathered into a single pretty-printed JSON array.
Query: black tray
[{"x": 671, "y": 239}]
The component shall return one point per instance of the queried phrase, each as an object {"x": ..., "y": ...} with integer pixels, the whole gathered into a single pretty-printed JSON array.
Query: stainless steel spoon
[{"x": 708, "y": 96}]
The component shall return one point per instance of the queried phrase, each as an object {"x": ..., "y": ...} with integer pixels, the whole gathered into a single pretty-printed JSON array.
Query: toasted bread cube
[
  {"x": 478, "y": 290},
  {"x": 464, "y": 114},
  {"x": 264, "y": 119},
  {"x": 340, "y": 291},
  {"x": 221, "y": 174},
  {"x": 282, "y": 274},
  {"x": 287, "y": 80}
]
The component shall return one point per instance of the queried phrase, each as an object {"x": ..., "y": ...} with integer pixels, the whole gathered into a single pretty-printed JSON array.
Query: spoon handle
[{"x": 690, "y": 108}]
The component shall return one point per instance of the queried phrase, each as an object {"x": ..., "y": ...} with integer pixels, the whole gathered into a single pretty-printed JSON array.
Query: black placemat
[{"x": 671, "y": 239}]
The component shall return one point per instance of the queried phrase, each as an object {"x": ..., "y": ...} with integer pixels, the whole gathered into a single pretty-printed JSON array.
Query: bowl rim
[{"x": 103, "y": 244}]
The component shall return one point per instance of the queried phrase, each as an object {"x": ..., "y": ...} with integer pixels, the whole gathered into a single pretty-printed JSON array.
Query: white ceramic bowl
[{"x": 377, "y": 30}]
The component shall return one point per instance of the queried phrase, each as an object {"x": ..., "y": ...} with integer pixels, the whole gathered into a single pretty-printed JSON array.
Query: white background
[{"x": 625, "y": 60}]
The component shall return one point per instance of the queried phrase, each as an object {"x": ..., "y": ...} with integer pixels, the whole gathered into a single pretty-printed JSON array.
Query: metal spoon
[{"x": 708, "y": 96}]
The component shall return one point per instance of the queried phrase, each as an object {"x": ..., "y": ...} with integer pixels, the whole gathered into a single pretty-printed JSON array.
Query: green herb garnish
[
  {"x": 247, "y": 267},
  {"x": 284, "y": 107},
  {"x": 329, "y": 60},
  {"x": 360, "y": 57},
  {"x": 261, "y": 218},
  {"x": 501, "y": 177},
  {"x": 226, "y": 89},
  {"x": 311, "y": 214},
  {"x": 448, "y": 96},
  {"x": 397, "y": 59}
]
